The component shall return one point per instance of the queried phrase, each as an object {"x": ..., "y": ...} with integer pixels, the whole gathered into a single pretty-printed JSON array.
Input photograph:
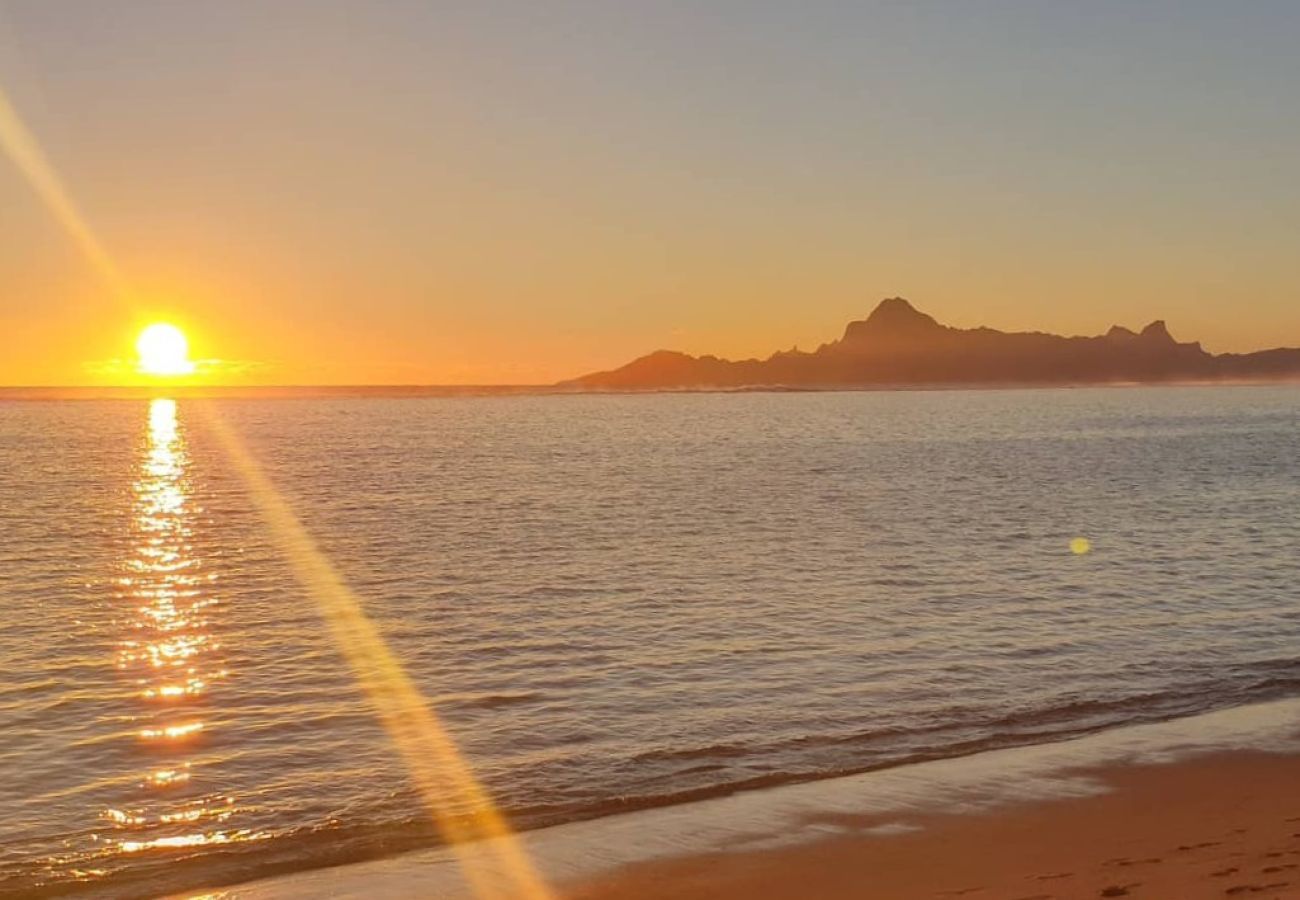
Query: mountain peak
[
  {"x": 1157, "y": 331},
  {"x": 892, "y": 317}
]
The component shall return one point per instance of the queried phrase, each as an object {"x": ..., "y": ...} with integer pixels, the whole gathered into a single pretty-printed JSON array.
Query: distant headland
[{"x": 897, "y": 345}]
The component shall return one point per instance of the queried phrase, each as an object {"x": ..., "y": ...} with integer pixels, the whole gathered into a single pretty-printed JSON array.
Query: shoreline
[{"x": 924, "y": 829}]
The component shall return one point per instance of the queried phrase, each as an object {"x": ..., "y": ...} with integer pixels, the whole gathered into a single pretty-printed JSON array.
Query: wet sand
[{"x": 1221, "y": 826}]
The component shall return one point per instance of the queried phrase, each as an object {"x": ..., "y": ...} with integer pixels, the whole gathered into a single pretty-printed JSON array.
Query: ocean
[{"x": 612, "y": 602}]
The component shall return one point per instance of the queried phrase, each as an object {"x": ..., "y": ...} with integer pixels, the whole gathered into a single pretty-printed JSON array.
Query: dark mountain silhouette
[{"x": 898, "y": 345}]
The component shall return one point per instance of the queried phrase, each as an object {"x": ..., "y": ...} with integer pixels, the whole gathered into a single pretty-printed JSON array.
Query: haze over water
[{"x": 612, "y": 602}]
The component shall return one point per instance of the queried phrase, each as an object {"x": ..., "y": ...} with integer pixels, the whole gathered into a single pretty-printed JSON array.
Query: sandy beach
[{"x": 1225, "y": 826}]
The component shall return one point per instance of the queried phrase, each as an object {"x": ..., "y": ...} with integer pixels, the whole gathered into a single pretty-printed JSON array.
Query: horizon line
[{"x": 197, "y": 392}]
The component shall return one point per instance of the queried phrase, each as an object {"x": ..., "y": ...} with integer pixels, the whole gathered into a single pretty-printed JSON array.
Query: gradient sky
[{"x": 420, "y": 192}]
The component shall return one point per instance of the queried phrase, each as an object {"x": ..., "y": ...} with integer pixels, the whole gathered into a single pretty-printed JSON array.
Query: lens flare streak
[
  {"x": 439, "y": 772},
  {"x": 25, "y": 151}
]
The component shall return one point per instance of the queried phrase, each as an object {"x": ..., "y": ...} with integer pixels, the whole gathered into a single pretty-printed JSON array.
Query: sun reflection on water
[{"x": 169, "y": 656}]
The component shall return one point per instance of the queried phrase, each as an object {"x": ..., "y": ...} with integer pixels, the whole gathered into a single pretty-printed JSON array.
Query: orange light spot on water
[
  {"x": 120, "y": 817},
  {"x": 193, "y": 840},
  {"x": 171, "y": 732},
  {"x": 168, "y": 777},
  {"x": 216, "y": 808}
]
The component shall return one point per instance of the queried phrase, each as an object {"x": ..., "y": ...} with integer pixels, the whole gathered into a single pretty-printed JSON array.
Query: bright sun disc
[{"x": 164, "y": 350}]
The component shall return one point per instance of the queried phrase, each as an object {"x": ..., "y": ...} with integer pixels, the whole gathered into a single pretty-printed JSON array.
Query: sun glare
[{"x": 163, "y": 350}]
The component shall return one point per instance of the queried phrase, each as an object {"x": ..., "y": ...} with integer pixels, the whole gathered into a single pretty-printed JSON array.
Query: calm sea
[{"x": 612, "y": 602}]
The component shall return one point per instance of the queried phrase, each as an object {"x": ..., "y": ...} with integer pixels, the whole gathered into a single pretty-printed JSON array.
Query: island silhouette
[{"x": 897, "y": 345}]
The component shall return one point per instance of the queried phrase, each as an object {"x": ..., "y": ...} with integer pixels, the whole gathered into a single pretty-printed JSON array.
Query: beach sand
[{"x": 1224, "y": 826}]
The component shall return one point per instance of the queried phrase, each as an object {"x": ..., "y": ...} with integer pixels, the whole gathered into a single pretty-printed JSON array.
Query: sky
[{"x": 371, "y": 192}]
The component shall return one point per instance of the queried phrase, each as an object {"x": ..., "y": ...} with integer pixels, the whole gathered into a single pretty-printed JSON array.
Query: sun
[{"x": 163, "y": 350}]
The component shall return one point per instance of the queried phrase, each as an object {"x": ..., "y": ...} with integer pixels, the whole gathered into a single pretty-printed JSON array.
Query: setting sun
[{"x": 163, "y": 350}]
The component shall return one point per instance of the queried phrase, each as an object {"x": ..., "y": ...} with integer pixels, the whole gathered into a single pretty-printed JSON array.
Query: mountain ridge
[{"x": 898, "y": 345}]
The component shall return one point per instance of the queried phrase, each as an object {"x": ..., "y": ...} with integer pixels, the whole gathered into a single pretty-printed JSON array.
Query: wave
[{"x": 489, "y": 701}]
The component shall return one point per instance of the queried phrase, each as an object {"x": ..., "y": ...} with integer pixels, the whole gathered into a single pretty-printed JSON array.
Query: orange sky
[{"x": 341, "y": 192}]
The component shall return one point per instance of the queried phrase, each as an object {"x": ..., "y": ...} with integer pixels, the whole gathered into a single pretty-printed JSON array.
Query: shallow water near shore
[
  {"x": 612, "y": 602},
  {"x": 871, "y": 805}
]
